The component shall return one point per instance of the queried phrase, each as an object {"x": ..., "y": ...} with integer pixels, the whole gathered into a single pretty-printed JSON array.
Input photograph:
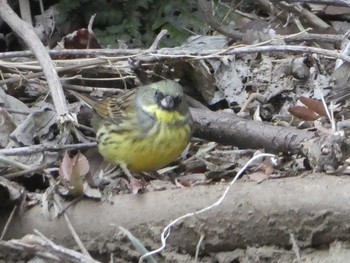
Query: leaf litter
[{"x": 221, "y": 83}]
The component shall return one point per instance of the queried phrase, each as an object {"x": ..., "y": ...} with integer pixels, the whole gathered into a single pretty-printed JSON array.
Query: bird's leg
[{"x": 134, "y": 184}]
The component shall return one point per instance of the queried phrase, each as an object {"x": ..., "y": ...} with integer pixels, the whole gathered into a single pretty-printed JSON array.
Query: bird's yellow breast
[{"x": 146, "y": 154}]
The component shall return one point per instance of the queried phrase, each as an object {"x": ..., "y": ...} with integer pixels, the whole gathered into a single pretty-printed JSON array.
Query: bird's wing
[{"x": 116, "y": 108}]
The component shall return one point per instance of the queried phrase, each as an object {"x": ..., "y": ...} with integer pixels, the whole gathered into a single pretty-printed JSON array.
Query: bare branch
[
  {"x": 27, "y": 33},
  {"x": 43, "y": 148}
]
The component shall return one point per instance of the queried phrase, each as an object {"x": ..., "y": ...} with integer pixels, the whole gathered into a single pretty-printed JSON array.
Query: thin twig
[
  {"x": 159, "y": 37},
  {"x": 91, "y": 89},
  {"x": 295, "y": 247},
  {"x": 122, "y": 54},
  {"x": 304, "y": 14},
  {"x": 62, "y": 252},
  {"x": 72, "y": 203},
  {"x": 71, "y": 229},
  {"x": 201, "y": 238},
  {"x": 75, "y": 236},
  {"x": 5, "y": 160},
  {"x": 59, "y": 70},
  {"x": 44, "y": 21},
  {"x": 91, "y": 33},
  {"x": 45, "y": 148},
  {"x": 4, "y": 231},
  {"x": 26, "y": 171},
  {"x": 29, "y": 248}
]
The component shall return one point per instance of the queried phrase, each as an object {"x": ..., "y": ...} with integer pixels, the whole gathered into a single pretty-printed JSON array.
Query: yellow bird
[{"x": 144, "y": 129}]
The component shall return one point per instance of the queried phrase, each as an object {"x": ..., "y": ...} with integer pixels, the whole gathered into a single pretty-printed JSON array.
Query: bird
[{"x": 143, "y": 129}]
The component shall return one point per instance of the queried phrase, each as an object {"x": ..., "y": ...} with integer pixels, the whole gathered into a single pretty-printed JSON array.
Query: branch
[
  {"x": 251, "y": 216},
  {"x": 27, "y": 33},
  {"x": 45, "y": 148},
  {"x": 324, "y": 151},
  {"x": 170, "y": 54},
  {"x": 329, "y": 38}
]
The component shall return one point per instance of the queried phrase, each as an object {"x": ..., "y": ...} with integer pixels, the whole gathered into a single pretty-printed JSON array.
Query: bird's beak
[{"x": 167, "y": 102}]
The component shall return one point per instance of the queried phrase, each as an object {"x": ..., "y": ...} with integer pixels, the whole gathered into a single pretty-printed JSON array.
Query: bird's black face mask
[{"x": 167, "y": 102}]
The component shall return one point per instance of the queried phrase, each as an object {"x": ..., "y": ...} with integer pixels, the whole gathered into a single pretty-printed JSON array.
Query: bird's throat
[{"x": 165, "y": 116}]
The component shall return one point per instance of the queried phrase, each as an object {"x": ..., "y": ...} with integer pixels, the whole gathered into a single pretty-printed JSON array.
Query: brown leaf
[
  {"x": 81, "y": 39},
  {"x": 315, "y": 105},
  {"x": 71, "y": 172},
  {"x": 303, "y": 113},
  {"x": 66, "y": 168},
  {"x": 81, "y": 164}
]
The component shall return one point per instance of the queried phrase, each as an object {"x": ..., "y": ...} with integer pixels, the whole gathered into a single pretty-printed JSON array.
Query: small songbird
[{"x": 144, "y": 129}]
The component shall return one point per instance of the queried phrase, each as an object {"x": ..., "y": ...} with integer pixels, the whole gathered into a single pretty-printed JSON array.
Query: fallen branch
[
  {"x": 26, "y": 32},
  {"x": 325, "y": 152},
  {"x": 314, "y": 209},
  {"x": 176, "y": 53}
]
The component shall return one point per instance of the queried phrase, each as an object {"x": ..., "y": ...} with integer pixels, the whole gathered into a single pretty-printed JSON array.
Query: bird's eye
[
  {"x": 177, "y": 100},
  {"x": 158, "y": 95}
]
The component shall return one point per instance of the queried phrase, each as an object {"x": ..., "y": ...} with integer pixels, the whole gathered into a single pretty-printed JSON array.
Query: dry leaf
[
  {"x": 303, "y": 113},
  {"x": 37, "y": 124},
  {"x": 71, "y": 172},
  {"x": 314, "y": 105},
  {"x": 81, "y": 39}
]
